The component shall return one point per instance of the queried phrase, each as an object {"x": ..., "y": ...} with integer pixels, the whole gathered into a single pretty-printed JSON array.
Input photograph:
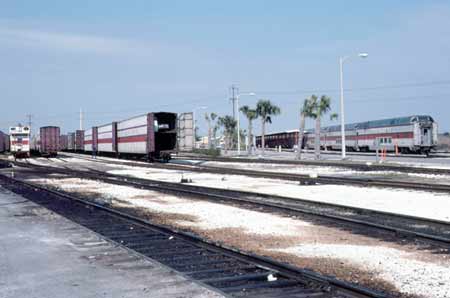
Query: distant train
[
  {"x": 4, "y": 142},
  {"x": 152, "y": 135},
  {"x": 411, "y": 134},
  {"x": 20, "y": 141}
]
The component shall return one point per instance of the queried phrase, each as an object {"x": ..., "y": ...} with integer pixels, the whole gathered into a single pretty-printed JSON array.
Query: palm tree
[
  {"x": 265, "y": 110},
  {"x": 319, "y": 108},
  {"x": 305, "y": 112},
  {"x": 251, "y": 115},
  {"x": 210, "y": 118},
  {"x": 229, "y": 126}
]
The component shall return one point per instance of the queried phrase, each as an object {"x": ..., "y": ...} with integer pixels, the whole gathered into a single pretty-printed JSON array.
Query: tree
[
  {"x": 319, "y": 108},
  {"x": 251, "y": 115},
  {"x": 209, "y": 119},
  {"x": 305, "y": 112},
  {"x": 265, "y": 110},
  {"x": 229, "y": 126}
]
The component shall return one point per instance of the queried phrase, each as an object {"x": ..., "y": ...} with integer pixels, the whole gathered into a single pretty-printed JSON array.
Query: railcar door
[{"x": 426, "y": 136}]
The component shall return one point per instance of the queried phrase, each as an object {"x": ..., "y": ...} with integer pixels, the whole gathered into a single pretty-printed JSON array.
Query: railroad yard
[
  {"x": 212, "y": 149},
  {"x": 256, "y": 228}
]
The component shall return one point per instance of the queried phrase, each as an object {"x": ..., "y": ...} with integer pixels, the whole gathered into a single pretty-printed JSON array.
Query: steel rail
[
  {"x": 331, "y": 286},
  {"x": 303, "y": 178},
  {"x": 362, "y": 166},
  {"x": 280, "y": 203}
]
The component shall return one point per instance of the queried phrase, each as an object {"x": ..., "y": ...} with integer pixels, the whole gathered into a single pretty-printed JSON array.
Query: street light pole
[
  {"x": 341, "y": 62},
  {"x": 342, "y": 116}
]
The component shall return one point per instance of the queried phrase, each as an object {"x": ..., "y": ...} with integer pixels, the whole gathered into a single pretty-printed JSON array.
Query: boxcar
[
  {"x": 3, "y": 141},
  {"x": 79, "y": 140},
  {"x": 49, "y": 140},
  {"x": 71, "y": 141},
  {"x": 63, "y": 142}
]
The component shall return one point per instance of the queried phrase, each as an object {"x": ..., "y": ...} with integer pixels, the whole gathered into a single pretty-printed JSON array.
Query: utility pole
[
  {"x": 234, "y": 92},
  {"x": 81, "y": 119}
]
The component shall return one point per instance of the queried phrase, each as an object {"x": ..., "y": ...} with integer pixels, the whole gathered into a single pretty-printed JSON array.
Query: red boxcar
[
  {"x": 49, "y": 144},
  {"x": 3, "y": 142},
  {"x": 79, "y": 140},
  {"x": 63, "y": 142}
]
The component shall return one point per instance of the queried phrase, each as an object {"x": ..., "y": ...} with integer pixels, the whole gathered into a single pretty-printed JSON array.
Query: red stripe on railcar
[
  {"x": 22, "y": 142},
  {"x": 104, "y": 141},
  {"x": 132, "y": 139},
  {"x": 395, "y": 135}
]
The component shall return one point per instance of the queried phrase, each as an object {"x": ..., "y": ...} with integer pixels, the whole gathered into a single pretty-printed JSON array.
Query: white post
[
  {"x": 341, "y": 62},
  {"x": 81, "y": 119},
  {"x": 193, "y": 124},
  {"x": 238, "y": 126}
]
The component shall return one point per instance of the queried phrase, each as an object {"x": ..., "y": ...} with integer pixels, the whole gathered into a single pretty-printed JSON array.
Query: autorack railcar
[{"x": 152, "y": 135}]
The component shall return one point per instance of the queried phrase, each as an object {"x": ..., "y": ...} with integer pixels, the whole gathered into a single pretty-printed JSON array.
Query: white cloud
[{"x": 70, "y": 42}]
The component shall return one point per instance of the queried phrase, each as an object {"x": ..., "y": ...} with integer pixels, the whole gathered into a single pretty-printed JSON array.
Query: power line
[{"x": 394, "y": 86}]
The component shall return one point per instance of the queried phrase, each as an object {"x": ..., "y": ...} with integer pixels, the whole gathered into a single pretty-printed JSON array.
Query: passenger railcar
[
  {"x": 20, "y": 141},
  {"x": 411, "y": 134}
]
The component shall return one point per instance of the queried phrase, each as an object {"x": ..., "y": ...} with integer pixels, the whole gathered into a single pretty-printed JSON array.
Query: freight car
[
  {"x": 49, "y": 141},
  {"x": 152, "y": 135},
  {"x": 4, "y": 142},
  {"x": 286, "y": 139},
  {"x": 411, "y": 134},
  {"x": 63, "y": 142},
  {"x": 20, "y": 141},
  {"x": 79, "y": 141}
]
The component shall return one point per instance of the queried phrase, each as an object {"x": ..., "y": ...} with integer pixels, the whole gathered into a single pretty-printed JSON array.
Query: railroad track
[
  {"x": 360, "y": 166},
  {"x": 233, "y": 272},
  {"x": 402, "y": 227},
  {"x": 302, "y": 178}
]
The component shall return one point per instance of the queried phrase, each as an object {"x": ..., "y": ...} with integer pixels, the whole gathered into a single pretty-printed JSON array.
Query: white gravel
[
  {"x": 395, "y": 266},
  {"x": 406, "y": 270},
  {"x": 409, "y": 202},
  {"x": 208, "y": 215}
]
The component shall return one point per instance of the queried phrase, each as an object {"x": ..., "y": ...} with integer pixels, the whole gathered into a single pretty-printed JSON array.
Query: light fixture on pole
[
  {"x": 238, "y": 123},
  {"x": 193, "y": 120},
  {"x": 342, "y": 116}
]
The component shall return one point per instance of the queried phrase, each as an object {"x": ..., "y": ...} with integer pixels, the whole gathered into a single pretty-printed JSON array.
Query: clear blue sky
[{"x": 117, "y": 59}]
